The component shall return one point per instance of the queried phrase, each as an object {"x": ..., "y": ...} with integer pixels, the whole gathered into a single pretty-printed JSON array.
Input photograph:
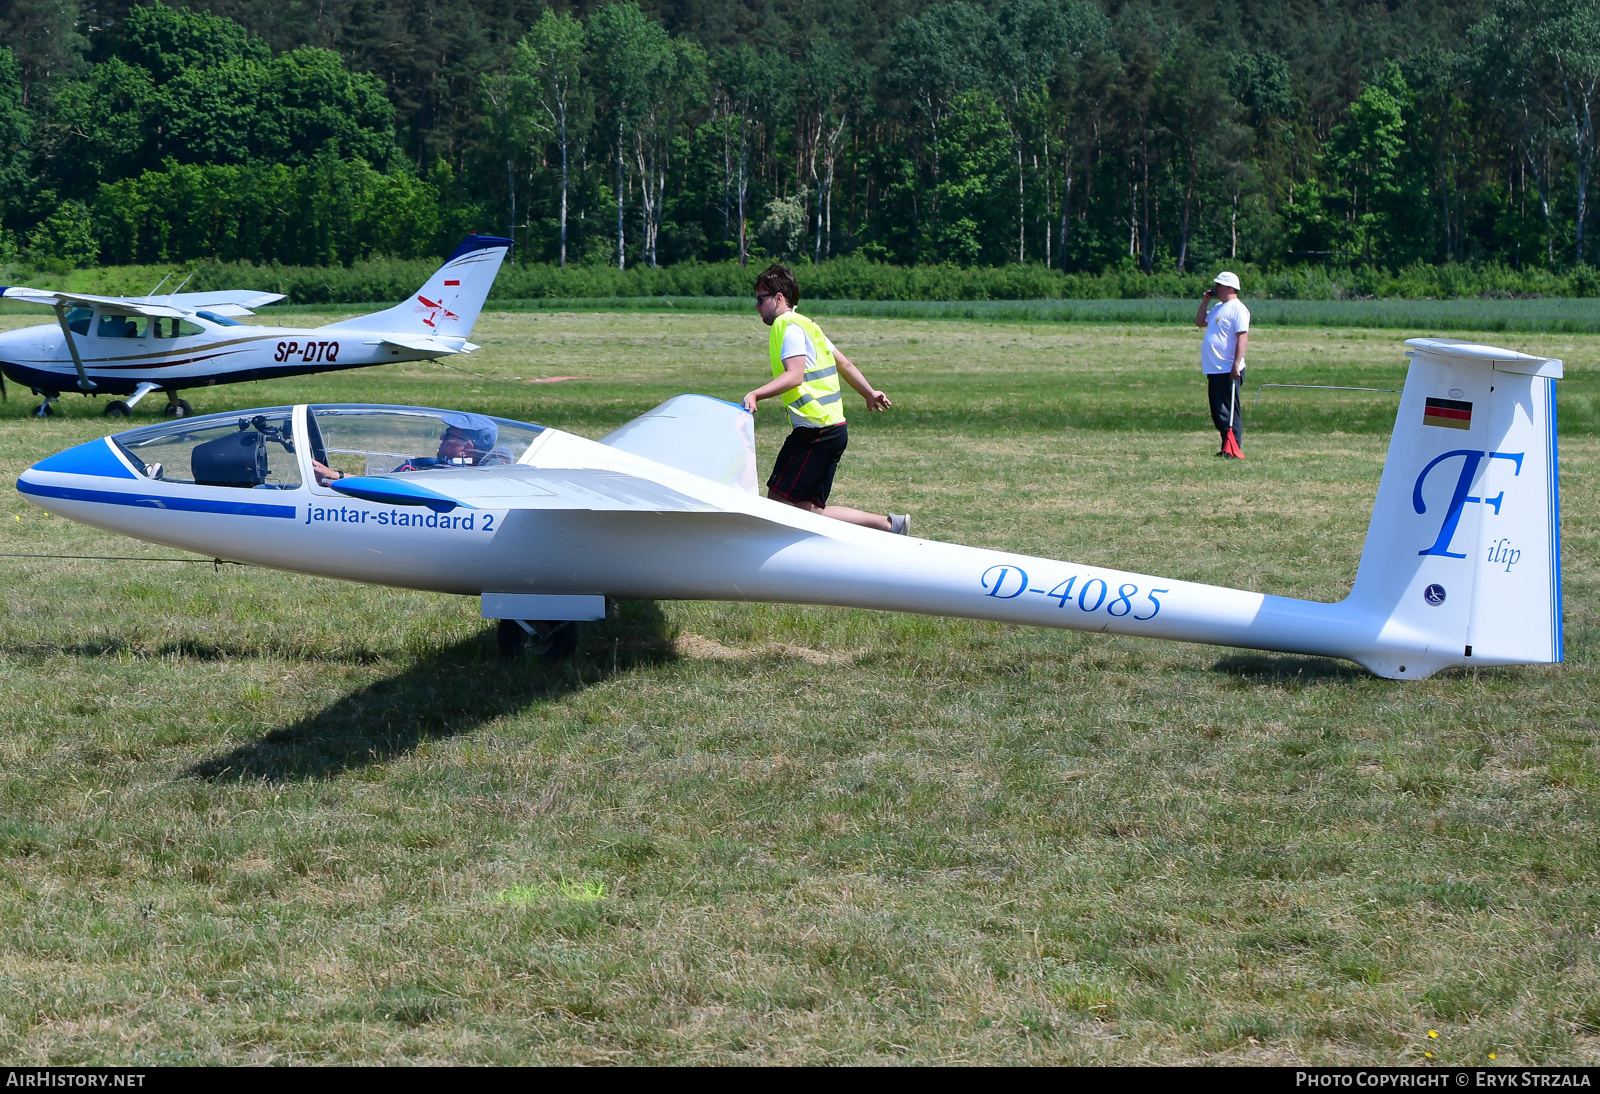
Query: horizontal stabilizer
[
  {"x": 695, "y": 433},
  {"x": 438, "y": 347}
]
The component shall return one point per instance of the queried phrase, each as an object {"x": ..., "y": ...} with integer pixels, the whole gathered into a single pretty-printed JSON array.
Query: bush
[
  {"x": 324, "y": 213},
  {"x": 371, "y": 278},
  {"x": 64, "y": 237}
]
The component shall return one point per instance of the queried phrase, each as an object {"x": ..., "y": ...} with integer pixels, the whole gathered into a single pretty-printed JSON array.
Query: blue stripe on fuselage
[{"x": 151, "y": 501}]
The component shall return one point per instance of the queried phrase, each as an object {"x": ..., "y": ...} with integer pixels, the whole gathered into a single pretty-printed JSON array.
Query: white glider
[
  {"x": 1462, "y": 564},
  {"x": 133, "y": 345}
]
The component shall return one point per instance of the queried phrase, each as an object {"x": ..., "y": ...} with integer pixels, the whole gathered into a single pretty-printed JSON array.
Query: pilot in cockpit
[{"x": 469, "y": 440}]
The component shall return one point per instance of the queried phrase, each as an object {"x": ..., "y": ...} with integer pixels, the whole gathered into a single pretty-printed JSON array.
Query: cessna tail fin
[
  {"x": 1462, "y": 564},
  {"x": 448, "y": 305}
]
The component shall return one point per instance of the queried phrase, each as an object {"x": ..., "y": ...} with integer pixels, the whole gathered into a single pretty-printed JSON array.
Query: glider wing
[
  {"x": 521, "y": 487},
  {"x": 703, "y": 436}
]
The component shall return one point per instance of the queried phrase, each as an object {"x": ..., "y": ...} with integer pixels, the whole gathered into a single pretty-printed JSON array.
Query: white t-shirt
[
  {"x": 797, "y": 343},
  {"x": 1224, "y": 324}
]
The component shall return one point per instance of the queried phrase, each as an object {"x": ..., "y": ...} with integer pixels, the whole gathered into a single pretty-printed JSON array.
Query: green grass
[{"x": 251, "y": 816}]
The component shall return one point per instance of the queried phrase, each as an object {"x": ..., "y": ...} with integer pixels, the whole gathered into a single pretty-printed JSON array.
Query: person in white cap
[{"x": 1226, "y": 321}]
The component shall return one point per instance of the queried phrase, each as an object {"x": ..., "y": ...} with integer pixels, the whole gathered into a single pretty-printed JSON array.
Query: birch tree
[
  {"x": 1539, "y": 61},
  {"x": 548, "y": 74}
]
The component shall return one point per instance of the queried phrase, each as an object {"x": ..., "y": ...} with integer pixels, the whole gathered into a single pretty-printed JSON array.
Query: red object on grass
[{"x": 1230, "y": 445}]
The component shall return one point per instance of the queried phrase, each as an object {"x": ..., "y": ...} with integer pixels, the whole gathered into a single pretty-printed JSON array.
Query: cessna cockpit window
[
  {"x": 123, "y": 326},
  {"x": 255, "y": 452},
  {"x": 175, "y": 328},
  {"x": 78, "y": 320},
  {"x": 219, "y": 320},
  {"x": 375, "y": 441}
]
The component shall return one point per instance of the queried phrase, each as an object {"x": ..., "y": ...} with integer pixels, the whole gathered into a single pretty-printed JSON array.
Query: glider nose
[
  {"x": 97, "y": 458},
  {"x": 55, "y": 476}
]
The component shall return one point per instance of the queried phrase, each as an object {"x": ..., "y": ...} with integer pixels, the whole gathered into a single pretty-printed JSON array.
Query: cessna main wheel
[
  {"x": 118, "y": 409},
  {"x": 178, "y": 409}
]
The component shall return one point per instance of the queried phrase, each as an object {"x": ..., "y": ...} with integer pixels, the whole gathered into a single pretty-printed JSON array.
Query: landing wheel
[
  {"x": 118, "y": 409},
  {"x": 177, "y": 408},
  {"x": 510, "y": 637},
  {"x": 563, "y": 640},
  {"x": 551, "y": 641},
  {"x": 44, "y": 410}
]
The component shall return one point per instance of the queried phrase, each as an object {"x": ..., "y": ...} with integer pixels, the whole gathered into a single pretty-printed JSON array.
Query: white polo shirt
[
  {"x": 1224, "y": 324},
  {"x": 797, "y": 343}
]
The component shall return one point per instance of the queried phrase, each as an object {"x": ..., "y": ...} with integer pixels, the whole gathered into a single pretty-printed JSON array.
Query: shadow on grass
[
  {"x": 1273, "y": 668},
  {"x": 448, "y": 692}
]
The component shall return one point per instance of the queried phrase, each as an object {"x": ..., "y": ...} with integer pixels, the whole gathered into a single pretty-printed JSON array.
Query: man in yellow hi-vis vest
[{"x": 806, "y": 367}]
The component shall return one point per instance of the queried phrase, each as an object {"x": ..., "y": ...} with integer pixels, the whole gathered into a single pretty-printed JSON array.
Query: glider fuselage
[{"x": 1462, "y": 563}]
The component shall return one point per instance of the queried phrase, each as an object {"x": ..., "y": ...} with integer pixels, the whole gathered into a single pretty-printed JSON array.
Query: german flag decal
[{"x": 1450, "y": 413}]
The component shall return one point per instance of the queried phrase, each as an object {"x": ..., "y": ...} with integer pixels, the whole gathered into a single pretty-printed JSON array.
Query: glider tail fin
[
  {"x": 448, "y": 305},
  {"x": 1462, "y": 564}
]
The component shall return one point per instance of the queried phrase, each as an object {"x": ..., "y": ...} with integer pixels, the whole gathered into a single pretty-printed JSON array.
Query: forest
[{"x": 1081, "y": 136}]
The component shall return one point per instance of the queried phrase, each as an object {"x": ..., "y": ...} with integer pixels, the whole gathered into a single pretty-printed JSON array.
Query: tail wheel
[{"x": 118, "y": 409}]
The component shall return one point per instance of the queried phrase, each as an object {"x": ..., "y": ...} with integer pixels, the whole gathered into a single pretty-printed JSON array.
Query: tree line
[{"x": 1082, "y": 135}]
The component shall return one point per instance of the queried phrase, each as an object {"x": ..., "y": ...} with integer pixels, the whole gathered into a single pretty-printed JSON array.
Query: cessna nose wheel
[
  {"x": 44, "y": 410},
  {"x": 177, "y": 408}
]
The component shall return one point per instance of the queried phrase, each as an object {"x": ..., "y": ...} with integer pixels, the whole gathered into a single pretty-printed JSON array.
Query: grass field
[{"x": 254, "y": 817}]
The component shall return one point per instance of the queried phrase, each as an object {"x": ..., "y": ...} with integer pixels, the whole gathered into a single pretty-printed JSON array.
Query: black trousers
[
  {"x": 806, "y": 463},
  {"x": 1222, "y": 389}
]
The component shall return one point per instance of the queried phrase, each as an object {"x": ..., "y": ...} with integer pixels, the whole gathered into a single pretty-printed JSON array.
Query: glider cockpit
[
  {"x": 249, "y": 452},
  {"x": 374, "y": 440},
  {"x": 258, "y": 449}
]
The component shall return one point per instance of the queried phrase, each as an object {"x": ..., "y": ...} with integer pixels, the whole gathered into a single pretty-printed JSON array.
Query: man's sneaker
[{"x": 900, "y": 523}]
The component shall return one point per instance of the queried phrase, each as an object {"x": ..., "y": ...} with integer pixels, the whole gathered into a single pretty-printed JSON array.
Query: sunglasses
[{"x": 763, "y": 297}]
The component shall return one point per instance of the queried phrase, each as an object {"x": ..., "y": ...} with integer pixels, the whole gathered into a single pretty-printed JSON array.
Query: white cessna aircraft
[
  {"x": 133, "y": 345},
  {"x": 1462, "y": 565}
]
